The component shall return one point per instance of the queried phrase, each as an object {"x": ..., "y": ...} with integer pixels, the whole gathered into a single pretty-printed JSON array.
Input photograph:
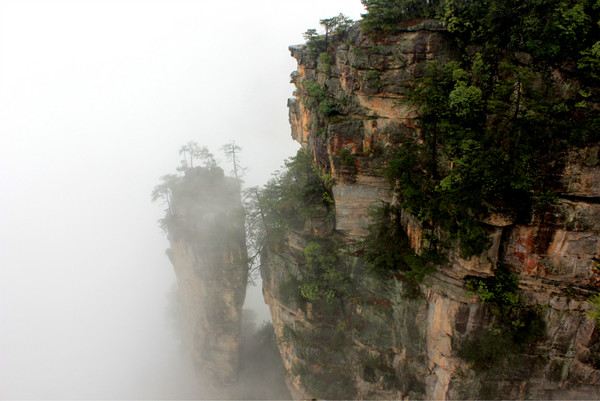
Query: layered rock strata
[
  {"x": 205, "y": 228},
  {"x": 380, "y": 343}
]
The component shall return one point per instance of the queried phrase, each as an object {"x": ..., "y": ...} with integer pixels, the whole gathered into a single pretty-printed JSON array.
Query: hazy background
[{"x": 96, "y": 98}]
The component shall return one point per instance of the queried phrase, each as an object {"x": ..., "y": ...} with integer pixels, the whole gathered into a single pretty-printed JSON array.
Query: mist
[{"x": 96, "y": 97}]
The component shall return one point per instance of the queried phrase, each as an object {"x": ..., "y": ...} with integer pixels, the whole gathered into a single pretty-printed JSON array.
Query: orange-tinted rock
[{"x": 413, "y": 343}]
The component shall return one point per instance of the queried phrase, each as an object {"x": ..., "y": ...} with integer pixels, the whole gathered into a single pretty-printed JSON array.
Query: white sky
[{"x": 96, "y": 97}]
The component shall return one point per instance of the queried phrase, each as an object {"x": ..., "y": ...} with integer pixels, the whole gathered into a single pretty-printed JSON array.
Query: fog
[{"x": 96, "y": 97}]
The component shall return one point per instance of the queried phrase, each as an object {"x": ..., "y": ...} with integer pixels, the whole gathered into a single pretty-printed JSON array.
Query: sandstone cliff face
[
  {"x": 381, "y": 344},
  {"x": 208, "y": 253}
]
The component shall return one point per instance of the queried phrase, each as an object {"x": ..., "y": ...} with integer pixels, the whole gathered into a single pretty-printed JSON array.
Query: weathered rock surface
[
  {"x": 400, "y": 348},
  {"x": 208, "y": 253}
]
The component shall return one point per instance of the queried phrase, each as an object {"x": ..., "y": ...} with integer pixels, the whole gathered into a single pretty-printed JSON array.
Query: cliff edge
[
  {"x": 205, "y": 227},
  {"x": 346, "y": 331}
]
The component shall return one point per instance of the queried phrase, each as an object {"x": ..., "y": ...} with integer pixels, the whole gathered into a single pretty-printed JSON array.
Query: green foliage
[
  {"x": 550, "y": 30},
  {"x": 325, "y": 62},
  {"x": 387, "y": 250},
  {"x": 495, "y": 125},
  {"x": 515, "y": 326},
  {"x": 164, "y": 192},
  {"x": 594, "y": 312},
  {"x": 328, "y": 107},
  {"x": 589, "y": 63},
  {"x": 319, "y": 100},
  {"x": 373, "y": 76},
  {"x": 311, "y": 291},
  {"x": 385, "y": 15},
  {"x": 336, "y": 25},
  {"x": 315, "y": 92},
  {"x": 298, "y": 195},
  {"x": 315, "y": 43},
  {"x": 325, "y": 276},
  {"x": 293, "y": 196},
  {"x": 465, "y": 100},
  {"x": 186, "y": 193},
  {"x": 449, "y": 202},
  {"x": 472, "y": 237},
  {"x": 335, "y": 28},
  {"x": 310, "y": 34},
  {"x": 501, "y": 289}
]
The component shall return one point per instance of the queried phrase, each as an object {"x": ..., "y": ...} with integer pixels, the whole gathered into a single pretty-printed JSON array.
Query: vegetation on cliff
[
  {"x": 594, "y": 312},
  {"x": 515, "y": 328},
  {"x": 295, "y": 211},
  {"x": 297, "y": 194},
  {"x": 204, "y": 222},
  {"x": 385, "y": 15},
  {"x": 299, "y": 200},
  {"x": 334, "y": 28},
  {"x": 193, "y": 197},
  {"x": 496, "y": 123},
  {"x": 387, "y": 251},
  {"x": 494, "y": 127}
]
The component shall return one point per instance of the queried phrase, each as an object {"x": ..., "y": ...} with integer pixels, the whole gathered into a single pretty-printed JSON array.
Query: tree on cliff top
[
  {"x": 198, "y": 167},
  {"x": 232, "y": 152},
  {"x": 193, "y": 152},
  {"x": 384, "y": 15},
  {"x": 333, "y": 26},
  {"x": 163, "y": 191}
]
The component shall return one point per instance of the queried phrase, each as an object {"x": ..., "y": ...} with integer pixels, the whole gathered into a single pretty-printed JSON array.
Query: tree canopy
[
  {"x": 333, "y": 27},
  {"x": 192, "y": 152},
  {"x": 495, "y": 122}
]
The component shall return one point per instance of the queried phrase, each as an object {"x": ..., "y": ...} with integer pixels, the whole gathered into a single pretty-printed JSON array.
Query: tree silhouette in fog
[
  {"x": 163, "y": 191},
  {"x": 232, "y": 152},
  {"x": 192, "y": 152}
]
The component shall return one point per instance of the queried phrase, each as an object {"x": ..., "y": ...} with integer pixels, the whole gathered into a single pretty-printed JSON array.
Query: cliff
[
  {"x": 371, "y": 337},
  {"x": 205, "y": 226}
]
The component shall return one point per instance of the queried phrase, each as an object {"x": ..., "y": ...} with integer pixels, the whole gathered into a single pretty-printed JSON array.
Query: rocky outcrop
[
  {"x": 379, "y": 343},
  {"x": 205, "y": 225}
]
